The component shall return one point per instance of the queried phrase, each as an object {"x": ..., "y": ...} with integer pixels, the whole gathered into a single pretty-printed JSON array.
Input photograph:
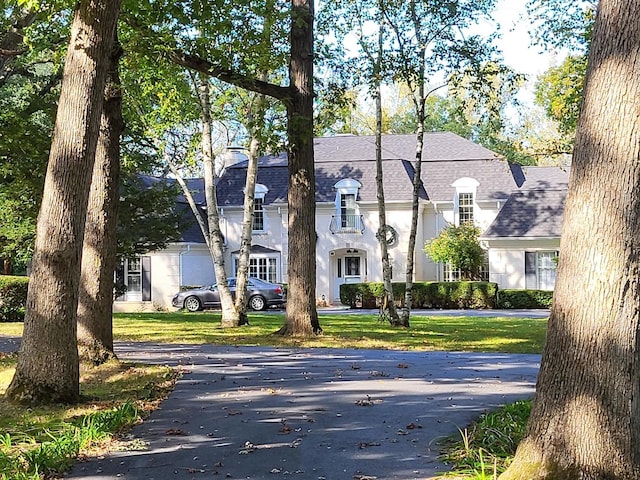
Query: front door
[{"x": 348, "y": 267}]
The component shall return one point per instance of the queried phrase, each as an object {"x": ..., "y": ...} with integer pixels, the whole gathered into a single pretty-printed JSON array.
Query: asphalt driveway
[{"x": 265, "y": 413}]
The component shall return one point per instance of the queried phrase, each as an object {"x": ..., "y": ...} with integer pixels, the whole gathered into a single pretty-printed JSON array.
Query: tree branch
[
  {"x": 4, "y": 52},
  {"x": 198, "y": 64}
]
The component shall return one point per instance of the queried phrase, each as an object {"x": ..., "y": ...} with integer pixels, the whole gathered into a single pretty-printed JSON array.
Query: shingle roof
[
  {"x": 536, "y": 210},
  {"x": 446, "y": 158},
  {"x": 191, "y": 234},
  {"x": 542, "y": 178},
  {"x": 529, "y": 214}
]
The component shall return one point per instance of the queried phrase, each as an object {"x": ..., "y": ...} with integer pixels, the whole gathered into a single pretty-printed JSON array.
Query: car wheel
[
  {"x": 192, "y": 304},
  {"x": 257, "y": 303}
]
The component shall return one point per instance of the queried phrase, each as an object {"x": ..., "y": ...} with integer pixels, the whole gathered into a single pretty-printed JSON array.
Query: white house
[{"x": 461, "y": 182}]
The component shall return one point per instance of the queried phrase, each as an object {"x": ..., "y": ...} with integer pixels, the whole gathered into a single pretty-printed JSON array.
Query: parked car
[{"x": 261, "y": 295}]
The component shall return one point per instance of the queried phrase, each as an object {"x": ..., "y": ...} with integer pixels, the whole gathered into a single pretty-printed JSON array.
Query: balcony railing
[{"x": 346, "y": 224}]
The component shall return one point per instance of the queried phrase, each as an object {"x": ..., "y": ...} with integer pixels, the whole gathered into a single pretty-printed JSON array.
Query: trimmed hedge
[
  {"x": 13, "y": 298},
  {"x": 425, "y": 294},
  {"x": 525, "y": 298}
]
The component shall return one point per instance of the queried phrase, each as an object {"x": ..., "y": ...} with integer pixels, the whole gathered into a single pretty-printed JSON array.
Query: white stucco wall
[
  {"x": 171, "y": 268},
  {"x": 183, "y": 264},
  {"x": 507, "y": 257}
]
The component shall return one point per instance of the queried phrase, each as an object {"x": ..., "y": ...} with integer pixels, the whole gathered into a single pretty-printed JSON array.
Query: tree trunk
[
  {"x": 230, "y": 317},
  {"x": 95, "y": 303},
  {"x": 247, "y": 229},
  {"x": 302, "y": 316},
  {"x": 411, "y": 249},
  {"x": 388, "y": 301},
  {"x": 48, "y": 367},
  {"x": 585, "y": 422}
]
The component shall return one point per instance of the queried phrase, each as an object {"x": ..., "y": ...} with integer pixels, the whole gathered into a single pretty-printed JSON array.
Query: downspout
[{"x": 435, "y": 209}]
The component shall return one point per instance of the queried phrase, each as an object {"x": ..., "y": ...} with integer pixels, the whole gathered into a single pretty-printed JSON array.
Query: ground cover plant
[
  {"x": 486, "y": 448},
  {"x": 41, "y": 442}
]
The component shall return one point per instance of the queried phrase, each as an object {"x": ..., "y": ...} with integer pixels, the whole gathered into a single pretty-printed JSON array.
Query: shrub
[
  {"x": 425, "y": 294},
  {"x": 13, "y": 298},
  {"x": 525, "y": 298}
]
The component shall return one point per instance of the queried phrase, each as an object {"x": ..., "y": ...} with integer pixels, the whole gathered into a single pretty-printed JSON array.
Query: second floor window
[
  {"x": 465, "y": 208},
  {"x": 258, "y": 215},
  {"x": 348, "y": 209}
]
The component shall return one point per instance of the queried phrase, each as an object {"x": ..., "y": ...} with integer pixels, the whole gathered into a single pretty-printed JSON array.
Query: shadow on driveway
[{"x": 266, "y": 413}]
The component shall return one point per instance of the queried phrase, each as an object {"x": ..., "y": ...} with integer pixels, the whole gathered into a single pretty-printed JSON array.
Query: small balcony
[{"x": 346, "y": 224}]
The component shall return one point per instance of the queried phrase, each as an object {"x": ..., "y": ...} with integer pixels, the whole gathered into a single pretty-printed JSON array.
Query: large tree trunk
[
  {"x": 95, "y": 304},
  {"x": 48, "y": 368},
  {"x": 585, "y": 422},
  {"x": 302, "y": 316}
]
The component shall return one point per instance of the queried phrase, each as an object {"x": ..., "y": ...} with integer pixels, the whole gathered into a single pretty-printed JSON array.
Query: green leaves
[
  {"x": 559, "y": 92},
  {"x": 458, "y": 246}
]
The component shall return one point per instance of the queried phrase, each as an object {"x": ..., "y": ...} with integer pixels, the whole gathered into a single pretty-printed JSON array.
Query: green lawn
[
  {"x": 493, "y": 334},
  {"x": 478, "y": 334}
]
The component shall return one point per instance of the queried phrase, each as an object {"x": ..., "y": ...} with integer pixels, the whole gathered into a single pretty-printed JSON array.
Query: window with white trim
[
  {"x": 450, "y": 274},
  {"x": 465, "y": 208},
  {"x": 546, "y": 270},
  {"x": 540, "y": 269},
  {"x": 348, "y": 210},
  {"x": 264, "y": 268},
  {"x": 133, "y": 279},
  {"x": 464, "y": 200},
  {"x": 258, "y": 215},
  {"x": 259, "y": 223},
  {"x": 347, "y": 218}
]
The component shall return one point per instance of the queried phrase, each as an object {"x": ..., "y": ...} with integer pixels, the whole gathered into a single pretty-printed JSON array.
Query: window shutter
[
  {"x": 530, "y": 276},
  {"x": 146, "y": 279},
  {"x": 119, "y": 282}
]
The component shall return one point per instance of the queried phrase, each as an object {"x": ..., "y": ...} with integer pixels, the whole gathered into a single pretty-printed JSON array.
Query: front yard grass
[
  {"x": 475, "y": 334},
  {"x": 478, "y": 334}
]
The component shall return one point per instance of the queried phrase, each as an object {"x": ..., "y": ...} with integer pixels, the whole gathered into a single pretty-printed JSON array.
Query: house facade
[{"x": 461, "y": 182}]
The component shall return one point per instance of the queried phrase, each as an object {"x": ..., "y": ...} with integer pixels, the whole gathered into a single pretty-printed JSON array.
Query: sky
[
  {"x": 516, "y": 44},
  {"x": 517, "y": 47}
]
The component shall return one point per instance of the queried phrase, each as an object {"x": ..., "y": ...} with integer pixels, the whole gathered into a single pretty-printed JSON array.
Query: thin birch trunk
[{"x": 230, "y": 317}]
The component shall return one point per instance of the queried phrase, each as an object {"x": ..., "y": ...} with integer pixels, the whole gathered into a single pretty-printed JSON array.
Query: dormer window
[
  {"x": 464, "y": 201},
  {"x": 347, "y": 219},
  {"x": 258, "y": 208}
]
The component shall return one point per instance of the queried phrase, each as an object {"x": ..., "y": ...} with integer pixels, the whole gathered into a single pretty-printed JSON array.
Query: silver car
[{"x": 261, "y": 295}]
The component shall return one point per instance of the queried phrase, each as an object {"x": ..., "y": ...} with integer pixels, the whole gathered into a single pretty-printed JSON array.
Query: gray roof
[
  {"x": 446, "y": 158},
  {"x": 545, "y": 178},
  {"x": 529, "y": 214},
  {"x": 259, "y": 249},
  {"x": 536, "y": 210}
]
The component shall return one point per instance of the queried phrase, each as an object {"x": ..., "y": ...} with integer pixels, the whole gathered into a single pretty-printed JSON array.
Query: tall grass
[
  {"x": 34, "y": 458},
  {"x": 486, "y": 448}
]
